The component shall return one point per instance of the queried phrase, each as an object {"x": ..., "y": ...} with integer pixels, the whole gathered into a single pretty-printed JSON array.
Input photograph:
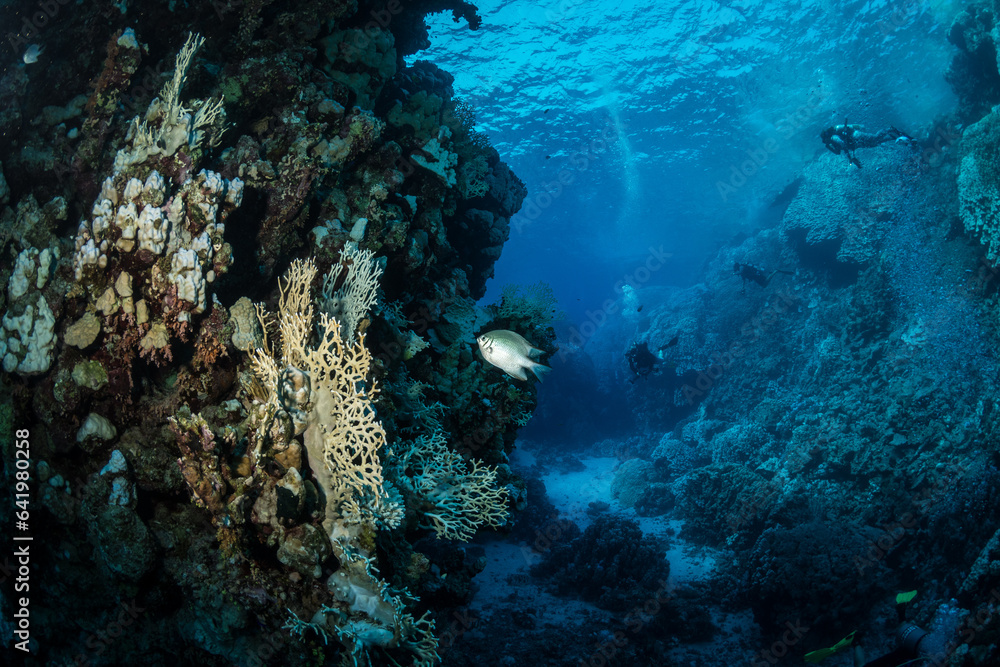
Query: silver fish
[
  {"x": 32, "y": 53},
  {"x": 511, "y": 353}
]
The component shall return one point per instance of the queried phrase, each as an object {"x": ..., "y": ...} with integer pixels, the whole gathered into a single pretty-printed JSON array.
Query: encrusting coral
[{"x": 139, "y": 220}]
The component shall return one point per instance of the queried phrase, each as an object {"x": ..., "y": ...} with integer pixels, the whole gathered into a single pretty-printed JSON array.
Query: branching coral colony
[
  {"x": 144, "y": 264},
  {"x": 320, "y": 390},
  {"x": 145, "y": 260}
]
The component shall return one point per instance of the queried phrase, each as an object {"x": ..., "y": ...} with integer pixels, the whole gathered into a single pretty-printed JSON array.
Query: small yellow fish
[{"x": 511, "y": 353}]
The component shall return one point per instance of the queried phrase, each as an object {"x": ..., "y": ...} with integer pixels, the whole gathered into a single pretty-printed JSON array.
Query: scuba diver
[
  {"x": 913, "y": 644},
  {"x": 848, "y": 138},
  {"x": 642, "y": 361},
  {"x": 748, "y": 272}
]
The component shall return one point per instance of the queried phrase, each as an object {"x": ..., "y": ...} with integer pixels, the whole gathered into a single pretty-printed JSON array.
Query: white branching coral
[
  {"x": 325, "y": 389},
  {"x": 460, "y": 498},
  {"x": 168, "y": 125},
  {"x": 376, "y": 615},
  {"x": 321, "y": 381},
  {"x": 170, "y": 95},
  {"x": 358, "y": 291},
  {"x": 368, "y": 614}
]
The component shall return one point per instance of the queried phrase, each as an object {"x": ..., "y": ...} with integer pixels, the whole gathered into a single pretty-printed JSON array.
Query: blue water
[
  {"x": 769, "y": 427},
  {"x": 681, "y": 92}
]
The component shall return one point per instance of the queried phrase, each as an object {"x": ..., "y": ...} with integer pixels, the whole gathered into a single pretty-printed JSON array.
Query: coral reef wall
[
  {"x": 232, "y": 457},
  {"x": 833, "y": 432}
]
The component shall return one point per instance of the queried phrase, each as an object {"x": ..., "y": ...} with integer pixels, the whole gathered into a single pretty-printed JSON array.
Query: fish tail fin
[
  {"x": 518, "y": 374},
  {"x": 540, "y": 371}
]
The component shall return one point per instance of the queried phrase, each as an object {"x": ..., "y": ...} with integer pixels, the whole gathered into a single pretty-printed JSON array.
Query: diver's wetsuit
[{"x": 641, "y": 360}]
